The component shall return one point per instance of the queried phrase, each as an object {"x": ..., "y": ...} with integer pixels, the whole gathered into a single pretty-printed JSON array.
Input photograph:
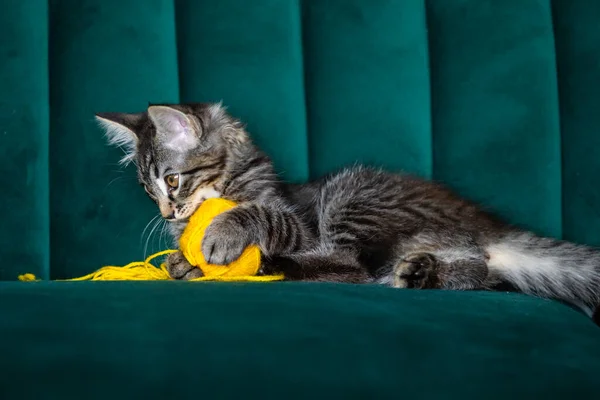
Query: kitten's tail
[{"x": 548, "y": 268}]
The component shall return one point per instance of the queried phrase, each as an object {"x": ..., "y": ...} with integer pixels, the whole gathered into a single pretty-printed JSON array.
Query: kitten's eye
[{"x": 172, "y": 180}]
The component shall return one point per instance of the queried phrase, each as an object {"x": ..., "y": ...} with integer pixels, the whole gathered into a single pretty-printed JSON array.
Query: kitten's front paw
[
  {"x": 225, "y": 240},
  {"x": 179, "y": 267},
  {"x": 416, "y": 271}
]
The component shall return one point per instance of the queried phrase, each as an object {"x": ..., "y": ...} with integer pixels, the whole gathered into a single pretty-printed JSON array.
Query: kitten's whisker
[
  {"x": 155, "y": 225},
  {"x": 163, "y": 235},
  {"x": 121, "y": 169},
  {"x": 113, "y": 181},
  {"x": 146, "y": 228}
]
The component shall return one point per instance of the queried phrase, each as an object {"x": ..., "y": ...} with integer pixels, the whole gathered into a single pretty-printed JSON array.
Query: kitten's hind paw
[{"x": 416, "y": 271}]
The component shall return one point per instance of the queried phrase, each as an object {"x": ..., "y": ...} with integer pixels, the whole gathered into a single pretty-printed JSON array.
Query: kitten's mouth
[
  {"x": 186, "y": 220},
  {"x": 183, "y": 218},
  {"x": 194, "y": 202},
  {"x": 186, "y": 212}
]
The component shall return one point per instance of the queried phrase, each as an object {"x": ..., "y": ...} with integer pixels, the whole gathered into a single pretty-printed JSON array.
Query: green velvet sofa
[{"x": 498, "y": 99}]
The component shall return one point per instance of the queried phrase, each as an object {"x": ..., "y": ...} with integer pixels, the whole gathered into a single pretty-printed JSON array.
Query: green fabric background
[
  {"x": 288, "y": 340},
  {"x": 496, "y": 98}
]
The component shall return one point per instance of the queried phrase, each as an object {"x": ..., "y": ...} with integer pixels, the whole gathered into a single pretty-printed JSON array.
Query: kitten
[{"x": 360, "y": 225}]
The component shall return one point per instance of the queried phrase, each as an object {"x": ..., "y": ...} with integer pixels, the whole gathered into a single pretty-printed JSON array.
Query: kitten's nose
[
  {"x": 170, "y": 215},
  {"x": 166, "y": 210}
]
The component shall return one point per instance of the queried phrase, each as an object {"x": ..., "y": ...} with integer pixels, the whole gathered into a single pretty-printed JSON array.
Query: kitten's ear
[
  {"x": 231, "y": 129},
  {"x": 174, "y": 129},
  {"x": 120, "y": 131}
]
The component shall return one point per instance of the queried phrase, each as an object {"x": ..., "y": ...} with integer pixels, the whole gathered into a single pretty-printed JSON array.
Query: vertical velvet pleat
[
  {"x": 104, "y": 56},
  {"x": 367, "y": 85},
  {"x": 249, "y": 57},
  {"x": 495, "y": 108},
  {"x": 576, "y": 28},
  {"x": 24, "y": 224}
]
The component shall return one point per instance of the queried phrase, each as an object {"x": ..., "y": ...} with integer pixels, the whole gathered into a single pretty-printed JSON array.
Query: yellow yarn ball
[{"x": 190, "y": 243}]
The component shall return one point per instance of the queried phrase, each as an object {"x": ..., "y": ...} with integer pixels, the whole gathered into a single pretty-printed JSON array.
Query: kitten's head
[{"x": 181, "y": 151}]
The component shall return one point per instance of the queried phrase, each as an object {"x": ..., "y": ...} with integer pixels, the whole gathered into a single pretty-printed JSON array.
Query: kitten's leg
[
  {"x": 179, "y": 267},
  {"x": 274, "y": 228},
  {"x": 311, "y": 266},
  {"x": 454, "y": 269}
]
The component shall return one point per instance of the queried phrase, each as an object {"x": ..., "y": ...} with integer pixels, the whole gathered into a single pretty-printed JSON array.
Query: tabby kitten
[{"x": 359, "y": 225}]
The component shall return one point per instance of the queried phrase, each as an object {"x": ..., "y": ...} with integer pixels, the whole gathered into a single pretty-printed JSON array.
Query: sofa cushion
[{"x": 99, "y": 340}]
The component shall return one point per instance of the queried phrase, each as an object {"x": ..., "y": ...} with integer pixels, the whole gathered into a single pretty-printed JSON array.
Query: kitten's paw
[
  {"x": 416, "y": 271},
  {"x": 179, "y": 267},
  {"x": 225, "y": 240}
]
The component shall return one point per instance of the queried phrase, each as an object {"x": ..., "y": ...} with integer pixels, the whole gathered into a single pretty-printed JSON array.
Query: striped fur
[{"x": 358, "y": 225}]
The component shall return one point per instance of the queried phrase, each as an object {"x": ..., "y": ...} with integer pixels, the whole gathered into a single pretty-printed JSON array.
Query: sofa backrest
[{"x": 497, "y": 99}]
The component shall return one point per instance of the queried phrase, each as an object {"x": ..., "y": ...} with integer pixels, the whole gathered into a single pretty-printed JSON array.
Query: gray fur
[{"x": 358, "y": 225}]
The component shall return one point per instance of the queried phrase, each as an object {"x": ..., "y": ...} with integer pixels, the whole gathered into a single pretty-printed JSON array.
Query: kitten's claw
[{"x": 416, "y": 271}]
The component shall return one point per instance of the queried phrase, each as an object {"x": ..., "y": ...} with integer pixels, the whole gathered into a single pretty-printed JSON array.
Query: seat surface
[{"x": 288, "y": 340}]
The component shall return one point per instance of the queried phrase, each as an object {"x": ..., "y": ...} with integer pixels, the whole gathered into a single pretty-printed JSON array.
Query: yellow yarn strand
[{"x": 146, "y": 271}]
